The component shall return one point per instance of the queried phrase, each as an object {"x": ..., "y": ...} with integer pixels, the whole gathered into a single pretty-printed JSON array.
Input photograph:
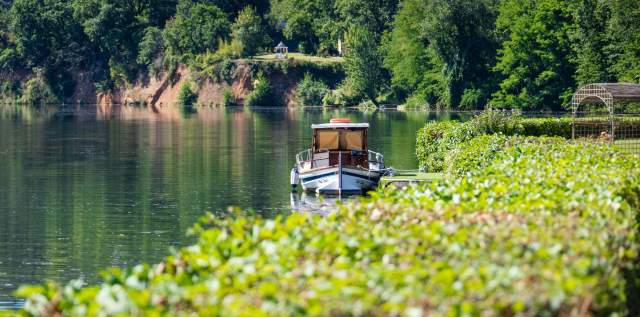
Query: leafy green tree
[
  {"x": 197, "y": 28},
  {"x": 461, "y": 33},
  {"x": 249, "y": 32},
  {"x": 416, "y": 69},
  {"x": 311, "y": 24},
  {"x": 363, "y": 63},
  {"x": 47, "y": 36},
  {"x": 45, "y": 32},
  {"x": 375, "y": 15},
  {"x": 114, "y": 29},
  {"x": 9, "y": 57},
  {"x": 536, "y": 59},
  {"x": 625, "y": 33},
  {"x": 232, "y": 8},
  {"x": 593, "y": 42},
  {"x": 150, "y": 46}
]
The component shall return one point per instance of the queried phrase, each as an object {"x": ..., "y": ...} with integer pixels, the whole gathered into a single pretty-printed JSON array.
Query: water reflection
[
  {"x": 316, "y": 203},
  {"x": 82, "y": 189}
]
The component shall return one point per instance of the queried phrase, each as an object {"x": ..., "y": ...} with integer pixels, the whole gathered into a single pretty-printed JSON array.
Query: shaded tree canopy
[{"x": 457, "y": 54}]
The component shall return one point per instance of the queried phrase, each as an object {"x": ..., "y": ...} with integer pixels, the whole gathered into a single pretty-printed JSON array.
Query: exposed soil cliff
[{"x": 161, "y": 92}]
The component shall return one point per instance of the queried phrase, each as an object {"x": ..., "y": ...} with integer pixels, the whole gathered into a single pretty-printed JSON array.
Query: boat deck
[{"x": 404, "y": 179}]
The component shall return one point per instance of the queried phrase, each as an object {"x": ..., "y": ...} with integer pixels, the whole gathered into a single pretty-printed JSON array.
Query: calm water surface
[{"x": 84, "y": 192}]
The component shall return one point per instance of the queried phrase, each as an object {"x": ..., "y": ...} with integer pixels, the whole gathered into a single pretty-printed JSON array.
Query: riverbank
[{"x": 213, "y": 83}]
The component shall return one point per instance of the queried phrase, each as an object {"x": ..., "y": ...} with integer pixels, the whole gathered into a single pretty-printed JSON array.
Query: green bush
[
  {"x": 9, "y": 91},
  {"x": 547, "y": 126},
  {"x": 262, "y": 94},
  {"x": 436, "y": 139},
  {"x": 187, "y": 98},
  {"x": 310, "y": 92},
  {"x": 474, "y": 154},
  {"x": 472, "y": 99},
  {"x": 545, "y": 229},
  {"x": 36, "y": 91},
  {"x": 492, "y": 121},
  {"x": 417, "y": 101},
  {"x": 228, "y": 99}
]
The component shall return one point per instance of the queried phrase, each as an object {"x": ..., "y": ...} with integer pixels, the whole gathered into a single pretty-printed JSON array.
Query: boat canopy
[
  {"x": 340, "y": 137},
  {"x": 340, "y": 126}
]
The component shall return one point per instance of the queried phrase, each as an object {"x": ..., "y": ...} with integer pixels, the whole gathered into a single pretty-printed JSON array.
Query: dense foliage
[
  {"x": 436, "y": 139},
  {"x": 457, "y": 54},
  {"x": 545, "y": 228},
  {"x": 363, "y": 63},
  {"x": 310, "y": 92},
  {"x": 262, "y": 94},
  {"x": 187, "y": 98}
]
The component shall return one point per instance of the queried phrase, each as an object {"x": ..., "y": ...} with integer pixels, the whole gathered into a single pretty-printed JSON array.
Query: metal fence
[{"x": 620, "y": 130}]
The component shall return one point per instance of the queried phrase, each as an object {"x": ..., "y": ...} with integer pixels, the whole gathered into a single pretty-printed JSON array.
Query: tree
[
  {"x": 415, "y": 69},
  {"x": 536, "y": 59},
  {"x": 233, "y": 7},
  {"x": 363, "y": 63},
  {"x": 625, "y": 33},
  {"x": 593, "y": 42},
  {"x": 197, "y": 28},
  {"x": 310, "y": 92},
  {"x": 150, "y": 46},
  {"x": 114, "y": 29},
  {"x": 249, "y": 31},
  {"x": 310, "y": 24},
  {"x": 375, "y": 15},
  {"x": 45, "y": 31},
  {"x": 47, "y": 36},
  {"x": 461, "y": 34}
]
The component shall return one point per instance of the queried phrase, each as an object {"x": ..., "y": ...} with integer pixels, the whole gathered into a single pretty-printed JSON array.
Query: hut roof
[
  {"x": 609, "y": 93},
  {"x": 622, "y": 91}
]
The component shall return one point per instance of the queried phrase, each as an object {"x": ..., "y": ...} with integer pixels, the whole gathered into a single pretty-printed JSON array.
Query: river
[{"x": 80, "y": 192}]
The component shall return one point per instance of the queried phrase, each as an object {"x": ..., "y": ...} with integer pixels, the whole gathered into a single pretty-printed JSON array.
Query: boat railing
[
  {"x": 375, "y": 157},
  {"x": 304, "y": 156}
]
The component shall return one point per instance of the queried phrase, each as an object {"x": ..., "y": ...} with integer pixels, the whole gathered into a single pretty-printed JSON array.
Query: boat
[{"x": 339, "y": 161}]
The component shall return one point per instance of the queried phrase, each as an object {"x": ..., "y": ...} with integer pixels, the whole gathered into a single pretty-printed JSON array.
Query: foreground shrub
[
  {"x": 310, "y": 92},
  {"x": 474, "y": 154},
  {"x": 478, "y": 153},
  {"x": 545, "y": 229},
  {"x": 436, "y": 139}
]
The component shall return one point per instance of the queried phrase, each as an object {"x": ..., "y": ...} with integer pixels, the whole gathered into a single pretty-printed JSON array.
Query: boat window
[
  {"x": 328, "y": 140},
  {"x": 351, "y": 140}
]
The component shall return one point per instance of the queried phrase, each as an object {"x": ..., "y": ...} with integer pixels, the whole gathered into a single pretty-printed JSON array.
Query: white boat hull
[{"x": 336, "y": 180}]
